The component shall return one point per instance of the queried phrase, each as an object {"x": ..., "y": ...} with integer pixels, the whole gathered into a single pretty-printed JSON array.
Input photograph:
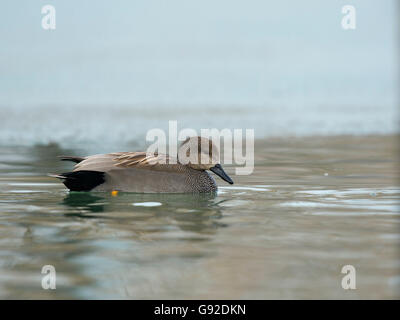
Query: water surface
[{"x": 312, "y": 206}]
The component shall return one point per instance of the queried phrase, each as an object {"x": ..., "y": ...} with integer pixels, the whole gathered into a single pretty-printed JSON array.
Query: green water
[{"x": 311, "y": 206}]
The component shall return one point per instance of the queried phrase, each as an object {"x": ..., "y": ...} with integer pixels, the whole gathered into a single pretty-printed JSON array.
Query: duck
[{"x": 143, "y": 172}]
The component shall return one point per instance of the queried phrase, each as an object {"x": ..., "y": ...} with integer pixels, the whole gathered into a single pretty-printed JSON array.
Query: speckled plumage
[{"x": 174, "y": 179}]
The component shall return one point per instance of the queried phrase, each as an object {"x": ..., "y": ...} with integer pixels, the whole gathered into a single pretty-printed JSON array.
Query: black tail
[
  {"x": 73, "y": 159},
  {"x": 82, "y": 180}
]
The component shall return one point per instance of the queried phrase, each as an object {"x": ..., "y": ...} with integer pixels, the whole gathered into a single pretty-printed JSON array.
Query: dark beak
[{"x": 217, "y": 169}]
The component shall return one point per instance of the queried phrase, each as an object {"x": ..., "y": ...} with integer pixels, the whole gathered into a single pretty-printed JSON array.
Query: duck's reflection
[
  {"x": 84, "y": 202},
  {"x": 190, "y": 212}
]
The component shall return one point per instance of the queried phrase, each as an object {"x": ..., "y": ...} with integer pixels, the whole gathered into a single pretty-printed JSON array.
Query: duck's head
[{"x": 200, "y": 153}]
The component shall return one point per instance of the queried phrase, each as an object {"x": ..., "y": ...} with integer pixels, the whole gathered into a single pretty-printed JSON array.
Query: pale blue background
[{"x": 114, "y": 69}]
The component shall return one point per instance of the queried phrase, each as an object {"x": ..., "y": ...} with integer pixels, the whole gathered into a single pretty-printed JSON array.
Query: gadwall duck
[{"x": 140, "y": 172}]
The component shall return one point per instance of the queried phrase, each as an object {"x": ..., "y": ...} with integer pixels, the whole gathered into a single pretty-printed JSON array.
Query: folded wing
[{"x": 124, "y": 160}]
